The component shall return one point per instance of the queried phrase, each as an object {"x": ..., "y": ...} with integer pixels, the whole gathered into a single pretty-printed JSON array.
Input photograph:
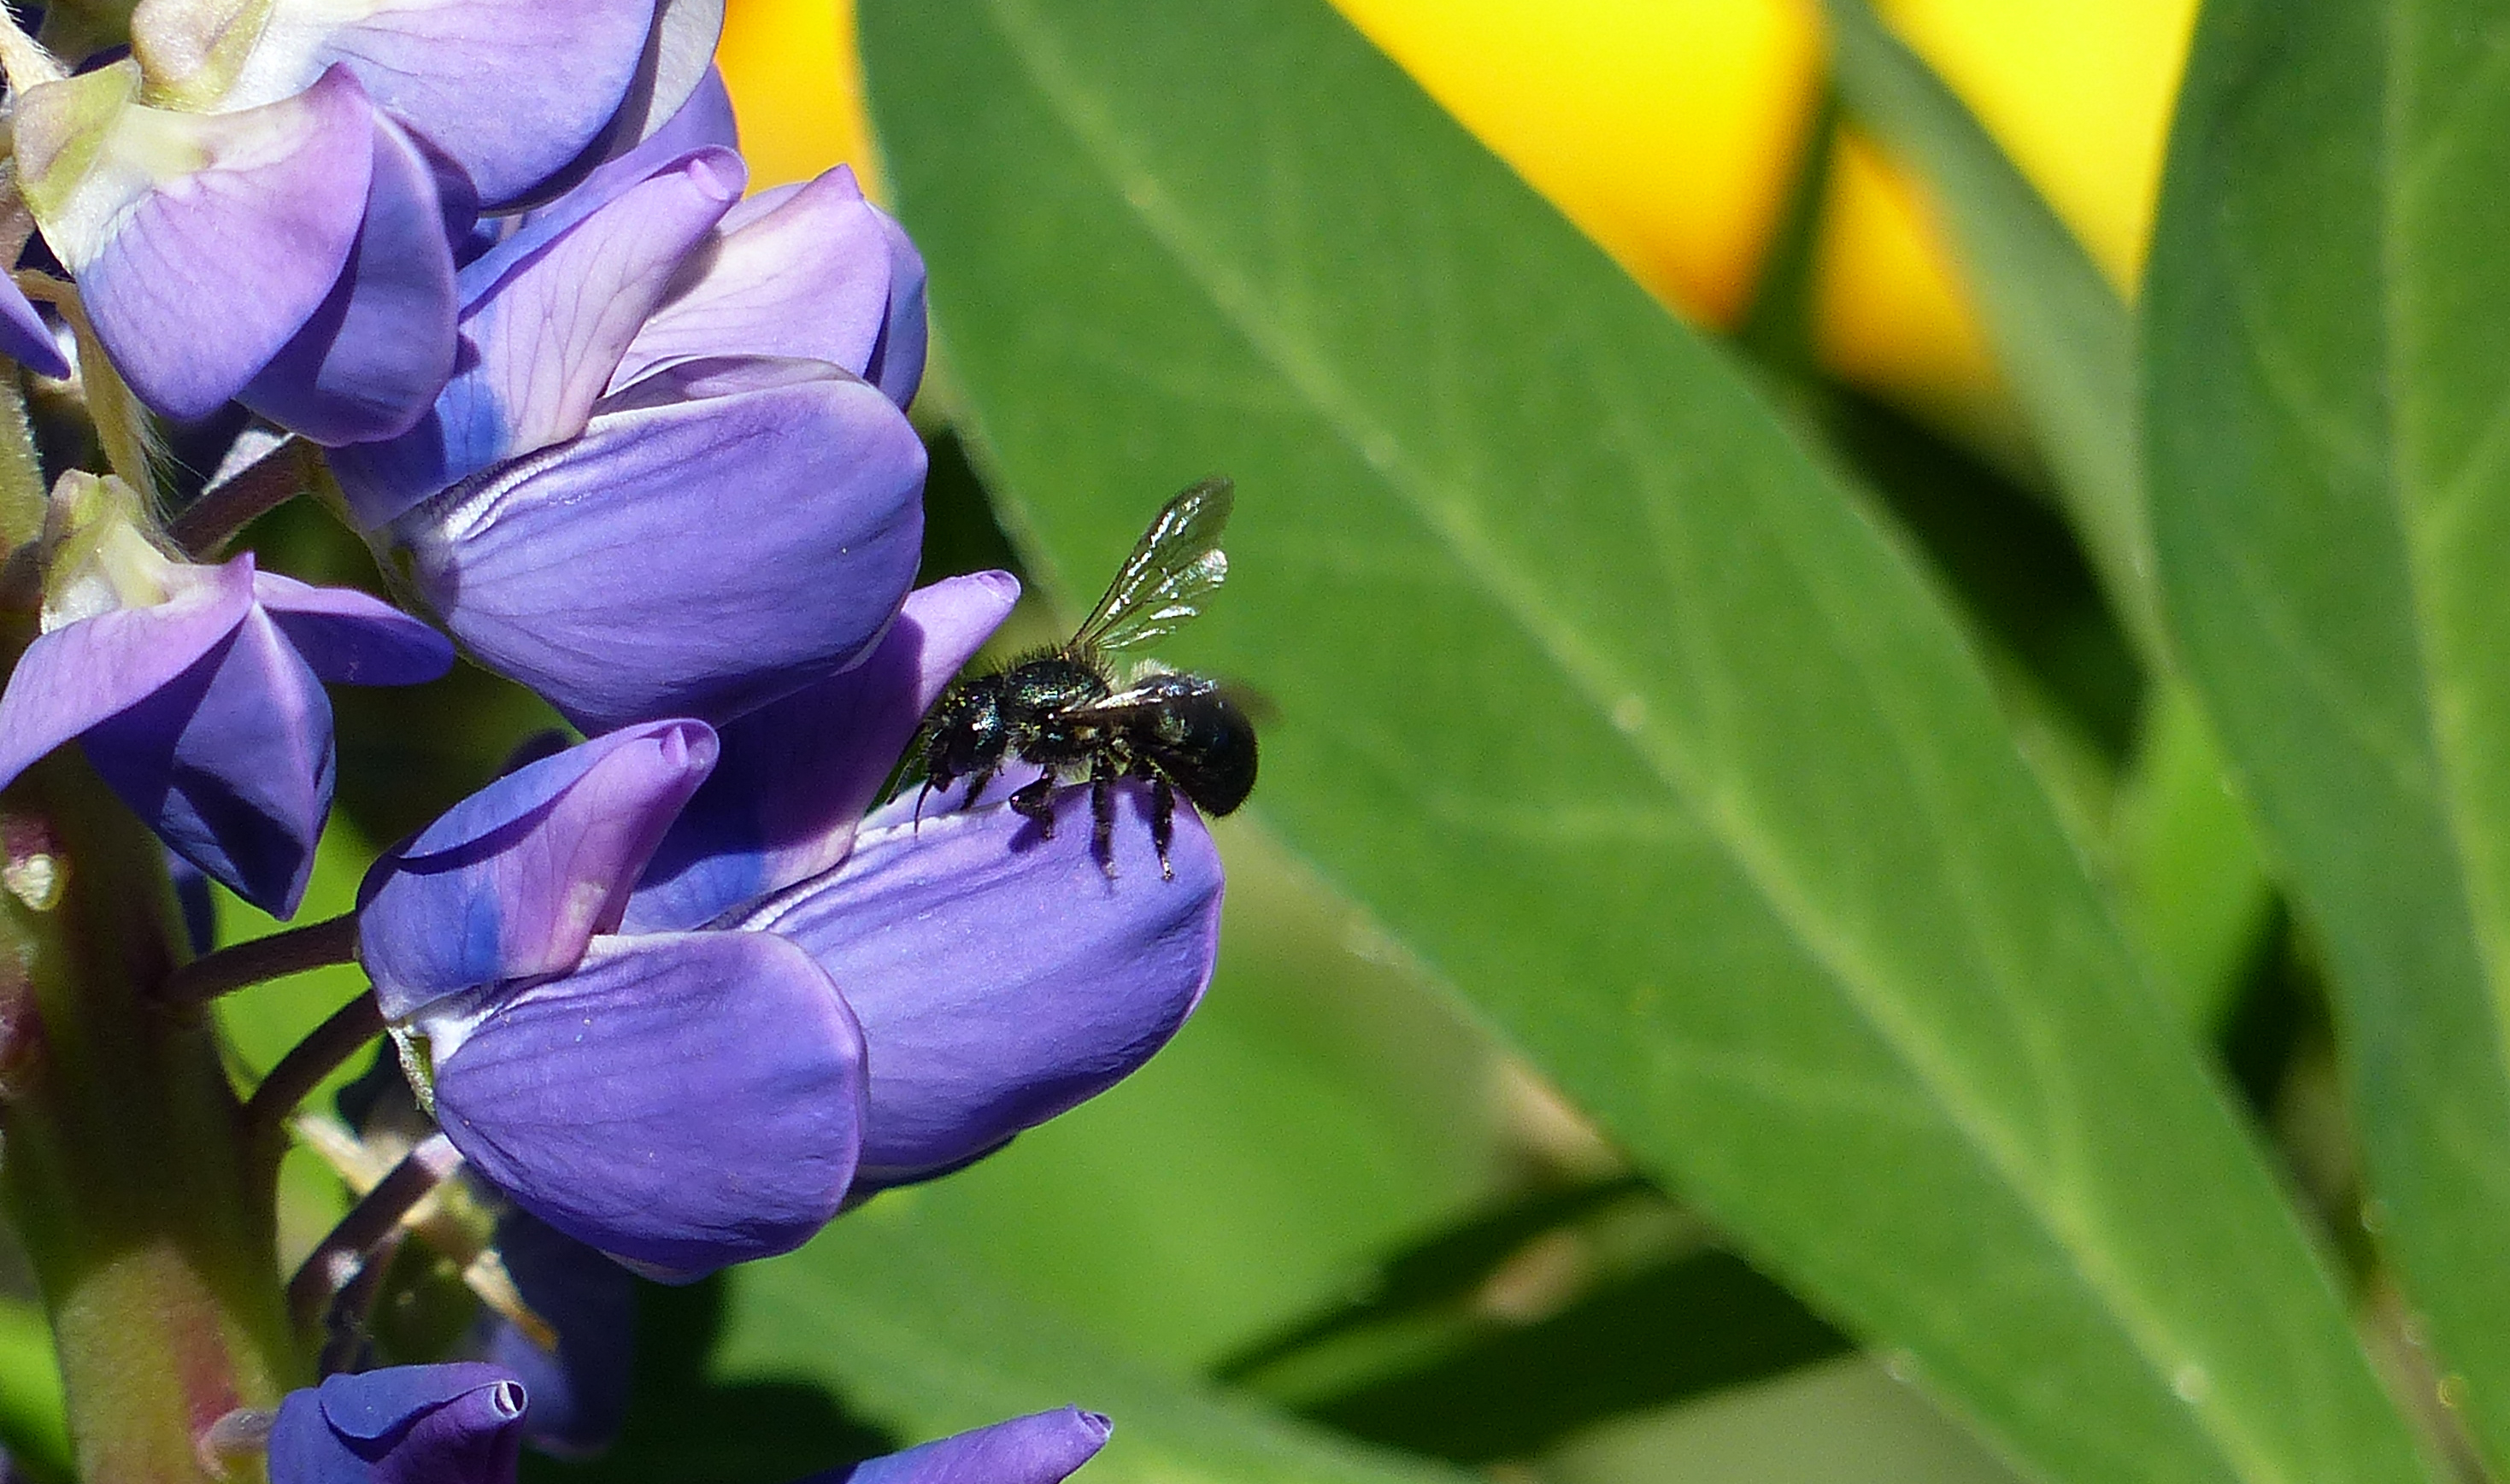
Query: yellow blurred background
[{"x": 1670, "y": 132}]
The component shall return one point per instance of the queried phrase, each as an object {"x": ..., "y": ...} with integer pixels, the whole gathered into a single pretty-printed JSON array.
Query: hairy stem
[
  {"x": 21, "y": 475},
  {"x": 24, "y": 60},
  {"x": 24, "y": 494},
  {"x": 147, "y": 1221}
]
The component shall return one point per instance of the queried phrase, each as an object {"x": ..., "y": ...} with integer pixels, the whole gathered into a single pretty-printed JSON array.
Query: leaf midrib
[{"x": 1864, "y": 987}]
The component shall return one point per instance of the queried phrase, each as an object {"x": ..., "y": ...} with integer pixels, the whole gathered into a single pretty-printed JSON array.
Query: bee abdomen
[{"x": 1206, "y": 746}]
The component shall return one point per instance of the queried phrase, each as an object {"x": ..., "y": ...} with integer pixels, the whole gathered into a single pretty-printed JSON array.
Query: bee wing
[
  {"x": 1152, "y": 691},
  {"x": 1175, "y": 564},
  {"x": 1258, "y": 707}
]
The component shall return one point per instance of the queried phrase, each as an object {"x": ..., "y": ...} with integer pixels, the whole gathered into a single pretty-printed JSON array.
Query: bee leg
[
  {"x": 1035, "y": 802},
  {"x": 1162, "y": 822},
  {"x": 976, "y": 783},
  {"x": 921, "y": 795},
  {"x": 1102, "y": 816}
]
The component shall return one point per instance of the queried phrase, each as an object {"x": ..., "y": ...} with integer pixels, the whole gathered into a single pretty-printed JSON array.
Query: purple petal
[
  {"x": 678, "y": 59},
  {"x": 26, "y": 338},
  {"x": 77, "y": 675},
  {"x": 797, "y": 773},
  {"x": 1002, "y": 977},
  {"x": 683, "y": 1101},
  {"x": 694, "y": 558},
  {"x": 705, "y": 116},
  {"x": 546, "y": 322},
  {"x": 370, "y": 361},
  {"x": 348, "y": 635},
  {"x": 802, "y": 271},
  {"x": 579, "y": 1391},
  {"x": 380, "y": 1404},
  {"x": 230, "y": 764},
  {"x": 704, "y": 123},
  {"x": 192, "y": 899},
  {"x": 195, "y": 281},
  {"x": 456, "y": 1424},
  {"x": 1039, "y": 1448},
  {"x": 897, "y": 361},
  {"x": 509, "y": 93},
  {"x": 516, "y": 879}
]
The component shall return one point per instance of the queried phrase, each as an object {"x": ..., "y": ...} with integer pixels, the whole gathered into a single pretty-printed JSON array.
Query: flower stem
[
  {"x": 350, "y": 1028},
  {"x": 206, "y": 527},
  {"x": 373, "y": 1221},
  {"x": 224, "y": 971},
  {"x": 21, "y": 475},
  {"x": 147, "y": 1222},
  {"x": 347, "y": 1327},
  {"x": 23, "y": 495}
]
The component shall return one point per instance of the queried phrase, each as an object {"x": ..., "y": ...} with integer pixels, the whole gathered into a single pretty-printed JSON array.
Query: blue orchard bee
[{"x": 1062, "y": 710}]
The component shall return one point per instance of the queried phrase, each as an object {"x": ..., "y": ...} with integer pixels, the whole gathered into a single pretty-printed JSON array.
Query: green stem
[
  {"x": 21, "y": 476},
  {"x": 148, "y": 1219}
]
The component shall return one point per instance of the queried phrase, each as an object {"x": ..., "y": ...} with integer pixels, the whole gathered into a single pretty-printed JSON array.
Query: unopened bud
[{"x": 234, "y": 1440}]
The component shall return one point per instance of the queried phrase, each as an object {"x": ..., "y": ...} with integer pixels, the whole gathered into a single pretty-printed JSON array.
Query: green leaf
[
  {"x": 2328, "y": 392},
  {"x": 2190, "y": 882},
  {"x": 916, "y": 1343},
  {"x": 2059, "y": 329},
  {"x": 1618, "y": 711},
  {"x": 1842, "y": 1419},
  {"x": 2188, "y": 873}
]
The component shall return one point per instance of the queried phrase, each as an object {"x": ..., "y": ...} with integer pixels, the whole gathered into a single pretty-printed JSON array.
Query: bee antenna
[{"x": 921, "y": 794}]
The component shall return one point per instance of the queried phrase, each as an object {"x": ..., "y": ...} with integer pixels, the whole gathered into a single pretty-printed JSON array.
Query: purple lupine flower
[
  {"x": 196, "y": 691},
  {"x": 264, "y": 206},
  {"x": 923, "y": 990},
  {"x": 574, "y": 1091},
  {"x": 461, "y": 1423},
  {"x": 456, "y": 1424},
  {"x": 1041, "y": 1448},
  {"x": 674, "y": 477}
]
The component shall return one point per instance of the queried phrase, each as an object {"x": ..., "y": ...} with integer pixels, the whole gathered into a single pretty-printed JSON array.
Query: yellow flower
[
  {"x": 796, "y": 85},
  {"x": 1670, "y": 131}
]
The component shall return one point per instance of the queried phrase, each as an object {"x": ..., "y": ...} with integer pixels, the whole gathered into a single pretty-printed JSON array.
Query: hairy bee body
[{"x": 1062, "y": 710}]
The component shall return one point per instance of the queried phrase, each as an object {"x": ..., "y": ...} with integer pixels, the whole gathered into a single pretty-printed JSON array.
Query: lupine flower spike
[{"x": 487, "y": 279}]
